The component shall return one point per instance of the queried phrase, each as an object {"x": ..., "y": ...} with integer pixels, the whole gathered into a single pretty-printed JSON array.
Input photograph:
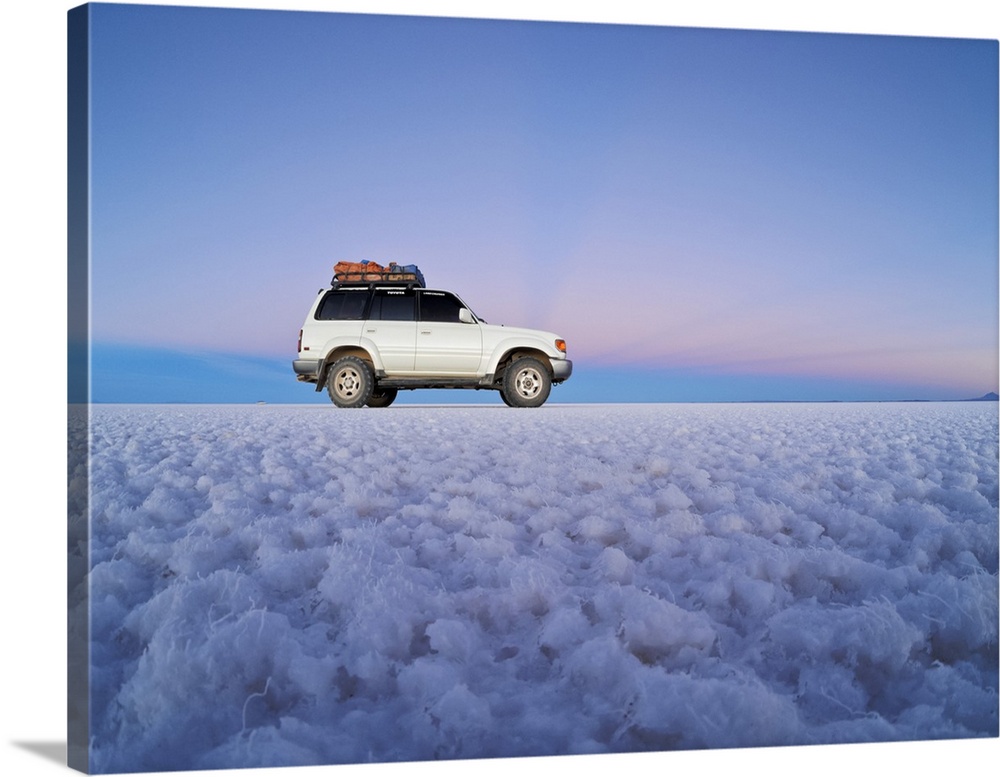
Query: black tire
[
  {"x": 350, "y": 382},
  {"x": 526, "y": 383},
  {"x": 382, "y": 397}
]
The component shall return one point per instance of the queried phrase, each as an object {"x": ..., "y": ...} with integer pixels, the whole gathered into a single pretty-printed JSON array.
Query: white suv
[{"x": 364, "y": 341}]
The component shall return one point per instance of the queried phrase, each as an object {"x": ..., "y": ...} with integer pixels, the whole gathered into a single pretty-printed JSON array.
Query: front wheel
[
  {"x": 350, "y": 382},
  {"x": 382, "y": 397},
  {"x": 526, "y": 383}
]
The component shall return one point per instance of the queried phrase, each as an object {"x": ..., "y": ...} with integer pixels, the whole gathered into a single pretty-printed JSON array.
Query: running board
[{"x": 435, "y": 383}]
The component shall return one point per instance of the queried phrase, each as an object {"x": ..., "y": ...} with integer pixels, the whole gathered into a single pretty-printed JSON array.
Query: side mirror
[{"x": 465, "y": 316}]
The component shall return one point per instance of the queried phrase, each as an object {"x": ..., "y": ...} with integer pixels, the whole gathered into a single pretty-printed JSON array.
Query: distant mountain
[{"x": 991, "y": 397}]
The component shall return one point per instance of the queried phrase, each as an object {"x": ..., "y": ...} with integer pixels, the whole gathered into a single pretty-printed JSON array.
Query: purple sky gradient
[{"x": 738, "y": 203}]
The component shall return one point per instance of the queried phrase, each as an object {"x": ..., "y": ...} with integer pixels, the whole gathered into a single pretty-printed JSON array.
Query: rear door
[
  {"x": 445, "y": 345},
  {"x": 392, "y": 326}
]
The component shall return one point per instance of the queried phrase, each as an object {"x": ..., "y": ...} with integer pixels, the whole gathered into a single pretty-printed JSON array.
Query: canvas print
[{"x": 450, "y": 388}]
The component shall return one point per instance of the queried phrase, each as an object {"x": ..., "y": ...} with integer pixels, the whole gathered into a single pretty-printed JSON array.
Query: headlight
[{"x": 561, "y": 345}]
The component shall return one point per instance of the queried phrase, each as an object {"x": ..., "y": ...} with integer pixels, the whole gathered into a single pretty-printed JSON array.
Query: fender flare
[
  {"x": 338, "y": 347},
  {"x": 513, "y": 345}
]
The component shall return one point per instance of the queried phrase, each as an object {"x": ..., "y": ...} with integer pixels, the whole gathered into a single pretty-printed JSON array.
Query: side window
[
  {"x": 393, "y": 305},
  {"x": 342, "y": 306},
  {"x": 439, "y": 306}
]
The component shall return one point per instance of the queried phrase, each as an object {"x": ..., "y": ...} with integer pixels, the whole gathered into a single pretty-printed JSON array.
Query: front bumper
[{"x": 561, "y": 369}]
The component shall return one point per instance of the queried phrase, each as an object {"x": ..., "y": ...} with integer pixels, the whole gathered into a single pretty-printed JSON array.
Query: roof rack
[{"x": 339, "y": 284}]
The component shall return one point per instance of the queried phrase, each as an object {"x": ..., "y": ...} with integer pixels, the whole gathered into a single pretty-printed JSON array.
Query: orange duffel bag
[{"x": 358, "y": 271}]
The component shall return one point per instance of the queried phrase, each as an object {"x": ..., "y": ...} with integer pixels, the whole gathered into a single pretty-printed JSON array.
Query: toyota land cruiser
[{"x": 366, "y": 341}]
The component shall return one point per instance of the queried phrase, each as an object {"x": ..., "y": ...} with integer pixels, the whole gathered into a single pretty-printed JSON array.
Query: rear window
[
  {"x": 393, "y": 305},
  {"x": 342, "y": 306}
]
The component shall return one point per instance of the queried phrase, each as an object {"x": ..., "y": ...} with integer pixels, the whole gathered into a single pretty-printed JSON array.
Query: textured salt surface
[{"x": 297, "y": 585}]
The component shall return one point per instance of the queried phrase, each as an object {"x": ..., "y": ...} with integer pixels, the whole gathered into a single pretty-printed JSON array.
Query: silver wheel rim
[
  {"x": 528, "y": 383},
  {"x": 347, "y": 383}
]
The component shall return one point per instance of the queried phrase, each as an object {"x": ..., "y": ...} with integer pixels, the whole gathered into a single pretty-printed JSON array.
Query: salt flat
[{"x": 281, "y": 585}]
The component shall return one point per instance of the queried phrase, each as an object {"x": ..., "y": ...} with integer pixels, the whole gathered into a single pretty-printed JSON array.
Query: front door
[{"x": 445, "y": 345}]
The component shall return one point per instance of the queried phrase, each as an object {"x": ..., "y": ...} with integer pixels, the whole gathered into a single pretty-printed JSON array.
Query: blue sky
[{"x": 704, "y": 215}]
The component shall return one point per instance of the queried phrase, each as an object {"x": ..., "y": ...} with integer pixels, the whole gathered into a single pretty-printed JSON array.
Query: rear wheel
[
  {"x": 382, "y": 397},
  {"x": 350, "y": 382},
  {"x": 526, "y": 383}
]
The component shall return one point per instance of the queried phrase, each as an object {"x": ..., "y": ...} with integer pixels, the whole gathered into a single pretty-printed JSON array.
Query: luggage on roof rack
[{"x": 344, "y": 272}]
